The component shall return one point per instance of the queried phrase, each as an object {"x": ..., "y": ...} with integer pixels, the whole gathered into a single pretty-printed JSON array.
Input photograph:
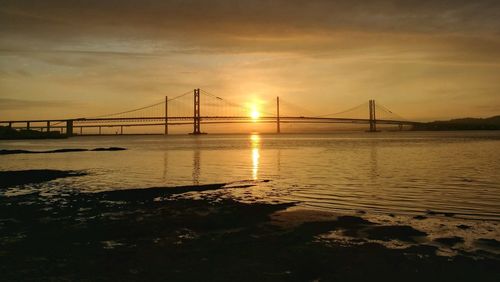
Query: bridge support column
[
  {"x": 196, "y": 116},
  {"x": 27, "y": 125},
  {"x": 166, "y": 115},
  {"x": 278, "y": 129},
  {"x": 69, "y": 128},
  {"x": 10, "y": 124},
  {"x": 48, "y": 126},
  {"x": 373, "y": 119},
  {"x": 99, "y": 130},
  {"x": 121, "y": 129}
]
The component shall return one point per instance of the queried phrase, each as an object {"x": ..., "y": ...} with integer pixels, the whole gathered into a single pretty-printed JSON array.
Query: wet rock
[
  {"x": 491, "y": 243},
  {"x": 351, "y": 221},
  {"x": 450, "y": 241},
  {"x": 109, "y": 149},
  {"x": 391, "y": 232},
  {"x": 13, "y": 152},
  {"x": 447, "y": 214},
  {"x": 420, "y": 217}
]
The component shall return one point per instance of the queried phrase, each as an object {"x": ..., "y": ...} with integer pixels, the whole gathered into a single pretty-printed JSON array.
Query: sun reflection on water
[{"x": 255, "y": 144}]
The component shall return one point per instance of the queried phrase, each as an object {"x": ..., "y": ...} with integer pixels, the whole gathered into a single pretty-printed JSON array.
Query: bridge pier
[
  {"x": 69, "y": 128},
  {"x": 48, "y": 126},
  {"x": 373, "y": 119},
  {"x": 27, "y": 125},
  {"x": 166, "y": 115},
  {"x": 278, "y": 129}
]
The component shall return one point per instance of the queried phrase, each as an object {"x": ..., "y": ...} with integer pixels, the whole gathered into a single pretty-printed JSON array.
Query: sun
[
  {"x": 255, "y": 114},
  {"x": 254, "y": 110}
]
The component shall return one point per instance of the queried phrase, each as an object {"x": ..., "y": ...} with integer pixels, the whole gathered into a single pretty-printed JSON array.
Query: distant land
[
  {"x": 491, "y": 123},
  {"x": 12, "y": 134}
]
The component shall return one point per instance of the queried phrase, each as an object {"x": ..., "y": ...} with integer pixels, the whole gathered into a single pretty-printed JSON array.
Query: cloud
[
  {"x": 248, "y": 17},
  {"x": 194, "y": 20},
  {"x": 22, "y": 104},
  {"x": 449, "y": 31}
]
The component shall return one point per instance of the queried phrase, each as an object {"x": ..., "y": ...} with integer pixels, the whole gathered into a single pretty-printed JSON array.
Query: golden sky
[{"x": 423, "y": 59}]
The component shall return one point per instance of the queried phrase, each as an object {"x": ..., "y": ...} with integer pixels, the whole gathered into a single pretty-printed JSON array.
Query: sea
[{"x": 405, "y": 173}]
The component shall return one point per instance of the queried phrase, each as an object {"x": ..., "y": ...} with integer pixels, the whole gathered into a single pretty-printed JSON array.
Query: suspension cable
[
  {"x": 141, "y": 108},
  {"x": 230, "y": 103},
  {"x": 342, "y": 112},
  {"x": 387, "y": 110}
]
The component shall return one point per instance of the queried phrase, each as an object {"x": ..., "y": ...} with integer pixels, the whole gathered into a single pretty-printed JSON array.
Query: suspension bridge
[{"x": 199, "y": 107}]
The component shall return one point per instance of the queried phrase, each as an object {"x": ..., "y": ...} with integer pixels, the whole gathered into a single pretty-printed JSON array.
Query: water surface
[{"x": 382, "y": 173}]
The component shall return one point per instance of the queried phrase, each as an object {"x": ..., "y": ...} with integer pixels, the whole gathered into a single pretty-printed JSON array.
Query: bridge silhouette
[{"x": 206, "y": 108}]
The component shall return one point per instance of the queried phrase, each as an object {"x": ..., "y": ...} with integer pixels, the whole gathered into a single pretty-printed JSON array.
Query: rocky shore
[{"x": 157, "y": 234}]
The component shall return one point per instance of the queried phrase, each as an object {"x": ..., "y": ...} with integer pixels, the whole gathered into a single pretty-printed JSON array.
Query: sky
[{"x": 424, "y": 60}]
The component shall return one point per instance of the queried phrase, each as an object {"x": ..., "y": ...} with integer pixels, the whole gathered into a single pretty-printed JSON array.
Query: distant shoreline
[
  {"x": 491, "y": 123},
  {"x": 7, "y": 133}
]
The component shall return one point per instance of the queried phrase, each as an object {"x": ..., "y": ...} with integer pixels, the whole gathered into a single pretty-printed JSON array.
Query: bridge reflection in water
[{"x": 197, "y": 159}]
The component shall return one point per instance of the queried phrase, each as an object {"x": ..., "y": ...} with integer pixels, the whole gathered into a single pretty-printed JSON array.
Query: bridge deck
[{"x": 220, "y": 119}]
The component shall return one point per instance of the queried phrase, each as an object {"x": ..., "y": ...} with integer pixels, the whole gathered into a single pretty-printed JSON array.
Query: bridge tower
[
  {"x": 278, "y": 129},
  {"x": 373, "y": 119},
  {"x": 196, "y": 116}
]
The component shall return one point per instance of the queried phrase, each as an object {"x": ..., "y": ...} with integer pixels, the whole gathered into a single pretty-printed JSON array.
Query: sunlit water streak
[{"x": 402, "y": 173}]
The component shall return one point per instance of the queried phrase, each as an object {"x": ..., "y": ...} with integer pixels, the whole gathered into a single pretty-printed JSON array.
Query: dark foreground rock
[
  {"x": 402, "y": 233},
  {"x": 151, "y": 235}
]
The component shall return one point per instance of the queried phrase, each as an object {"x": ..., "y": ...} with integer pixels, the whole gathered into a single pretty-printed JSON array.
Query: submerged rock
[{"x": 18, "y": 177}]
